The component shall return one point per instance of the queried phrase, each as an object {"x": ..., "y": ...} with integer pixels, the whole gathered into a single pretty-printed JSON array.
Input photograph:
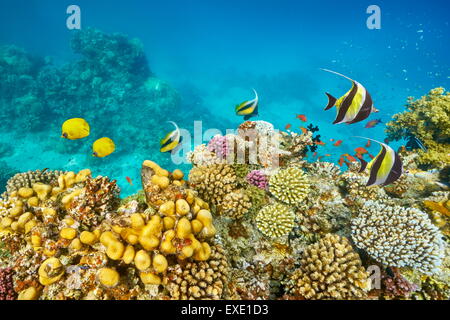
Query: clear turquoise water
[{"x": 213, "y": 53}]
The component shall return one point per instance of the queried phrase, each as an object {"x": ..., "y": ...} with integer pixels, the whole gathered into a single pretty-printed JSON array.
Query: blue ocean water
[{"x": 213, "y": 53}]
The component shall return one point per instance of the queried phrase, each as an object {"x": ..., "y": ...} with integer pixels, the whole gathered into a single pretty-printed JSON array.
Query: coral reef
[
  {"x": 426, "y": 119},
  {"x": 330, "y": 269},
  {"x": 398, "y": 237}
]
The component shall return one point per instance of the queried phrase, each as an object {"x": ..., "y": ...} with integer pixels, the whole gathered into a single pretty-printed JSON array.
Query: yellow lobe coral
[
  {"x": 150, "y": 278},
  {"x": 289, "y": 185},
  {"x": 142, "y": 260},
  {"x": 30, "y": 293},
  {"x": 42, "y": 190},
  {"x": 25, "y": 192},
  {"x": 128, "y": 255},
  {"x": 68, "y": 233},
  {"x": 50, "y": 271},
  {"x": 108, "y": 277},
  {"x": 160, "y": 263},
  {"x": 205, "y": 218},
  {"x": 87, "y": 237},
  {"x": 115, "y": 250}
]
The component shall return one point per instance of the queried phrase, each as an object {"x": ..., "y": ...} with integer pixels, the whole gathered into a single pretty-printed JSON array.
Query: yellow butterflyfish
[
  {"x": 103, "y": 147},
  {"x": 76, "y": 128}
]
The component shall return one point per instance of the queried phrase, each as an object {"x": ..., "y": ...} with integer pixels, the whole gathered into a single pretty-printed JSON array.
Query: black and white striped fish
[
  {"x": 354, "y": 106},
  {"x": 385, "y": 168}
]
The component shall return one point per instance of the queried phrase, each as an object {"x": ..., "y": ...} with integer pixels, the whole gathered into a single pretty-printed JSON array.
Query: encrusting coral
[
  {"x": 398, "y": 237},
  {"x": 426, "y": 119},
  {"x": 330, "y": 269},
  {"x": 289, "y": 185}
]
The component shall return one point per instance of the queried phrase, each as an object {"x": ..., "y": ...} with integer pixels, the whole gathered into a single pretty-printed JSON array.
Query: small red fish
[
  {"x": 304, "y": 130},
  {"x": 327, "y": 155},
  {"x": 371, "y": 156},
  {"x": 315, "y": 154},
  {"x": 288, "y": 126},
  {"x": 368, "y": 144},
  {"x": 331, "y": 140},
  {"x": 349, "y": 157},
  {"x": 319, "y": 143},
  {"x": 129, "y": 180},
  {"x": 372, "y": 123},
  {"x": 302, "y": 117},
  {"x": 361, "y": 150},
  {"x": 318, "y": 159},
  {"x": 337, "y": 143},
  {"x": 359, "y": 156},
  {"x": 341, "y": 161}
]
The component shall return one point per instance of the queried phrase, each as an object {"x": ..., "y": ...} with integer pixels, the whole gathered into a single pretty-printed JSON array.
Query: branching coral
[
  {"x": 275, "y": 220},
  {"x": 213, "y": 182},
  {"x": 199, "y": 280},
  {"x": 235, "y": 204},
  {"x": 398, "y": 237},
  {"x": 289, "y": 185},
  {"x": 258, "y": 179},
  {"x": 428, "y": 120},
  {"x": 330, "y": 269}
]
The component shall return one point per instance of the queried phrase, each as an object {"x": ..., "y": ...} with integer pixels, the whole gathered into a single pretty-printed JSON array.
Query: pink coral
[
  {"x": 6, "y": 284},
  {"x": 219, "y": 145},
  {"x": 258, "y": 179},
  {"x": 395, "y": 285}
]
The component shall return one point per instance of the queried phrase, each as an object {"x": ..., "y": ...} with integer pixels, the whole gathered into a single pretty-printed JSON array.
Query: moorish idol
[
  {"x": 172, "y": 140},
  {"x": 248, "y": 109},
  {"x": 385, "y": 168},
  {"x": 354, "y": 106}
]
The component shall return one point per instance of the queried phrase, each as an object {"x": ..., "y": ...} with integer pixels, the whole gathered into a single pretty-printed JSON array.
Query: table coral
[
  {"x": 330, "y": 269},
  {"x": 398, "y": 237},
  {"x": 275, "y": 220},
  {"x": 428, "y": 120},
  {"x": 289, "y": 185}
]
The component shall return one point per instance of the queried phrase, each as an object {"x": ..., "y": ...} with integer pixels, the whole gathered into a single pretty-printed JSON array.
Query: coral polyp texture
[
  {"x": 289, "y": 185},
  {"x": 275, "y": 220},
  {"x": 330, "y": 269},
  {"x": 399, "y": 237}
]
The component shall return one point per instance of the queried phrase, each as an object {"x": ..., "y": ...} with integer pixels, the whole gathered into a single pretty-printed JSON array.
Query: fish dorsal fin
[
  {"x": 256, "y": 96},
  {"x": 339, "y": 74}
]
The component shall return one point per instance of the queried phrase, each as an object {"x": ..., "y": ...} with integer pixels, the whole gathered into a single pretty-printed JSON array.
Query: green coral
[
  {"x": 289, "y": 185},
  {"x": 275, "y": 220},
  {"x": 427, "y": 119},
  {"x": 257, "y": 197}
]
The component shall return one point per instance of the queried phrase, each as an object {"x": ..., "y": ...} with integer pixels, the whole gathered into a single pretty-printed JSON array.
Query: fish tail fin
[
  {"x": 331, "y": 101},
  {"x": 363, "y": 164}
]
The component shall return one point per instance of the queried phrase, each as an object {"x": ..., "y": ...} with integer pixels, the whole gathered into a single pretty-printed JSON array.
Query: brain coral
[
  {"x": 330, "y": 269},
  {"x": 275, "y": 220},
  {"x": 398, "y": 237},
  {"x": 289, "y": 185},
  {"x": 428, "y": 119},
  {"x": 213, "y": 182}
]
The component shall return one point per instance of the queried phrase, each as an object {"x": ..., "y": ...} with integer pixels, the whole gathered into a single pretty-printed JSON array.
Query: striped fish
[
  {"x": 172, "y": 140},
  {"x": 248, "y": 109},
  {"x": 354, "y": 106},
  {"x": 385, "y": 168}
]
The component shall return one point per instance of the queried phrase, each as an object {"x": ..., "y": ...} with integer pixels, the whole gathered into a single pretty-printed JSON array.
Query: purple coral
[
  {"x": 395, "y": 285},
  {"x": 258, "y": 179},
  {"x": 219, "y": 145},
  {"x": 6, "y": 284}
]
